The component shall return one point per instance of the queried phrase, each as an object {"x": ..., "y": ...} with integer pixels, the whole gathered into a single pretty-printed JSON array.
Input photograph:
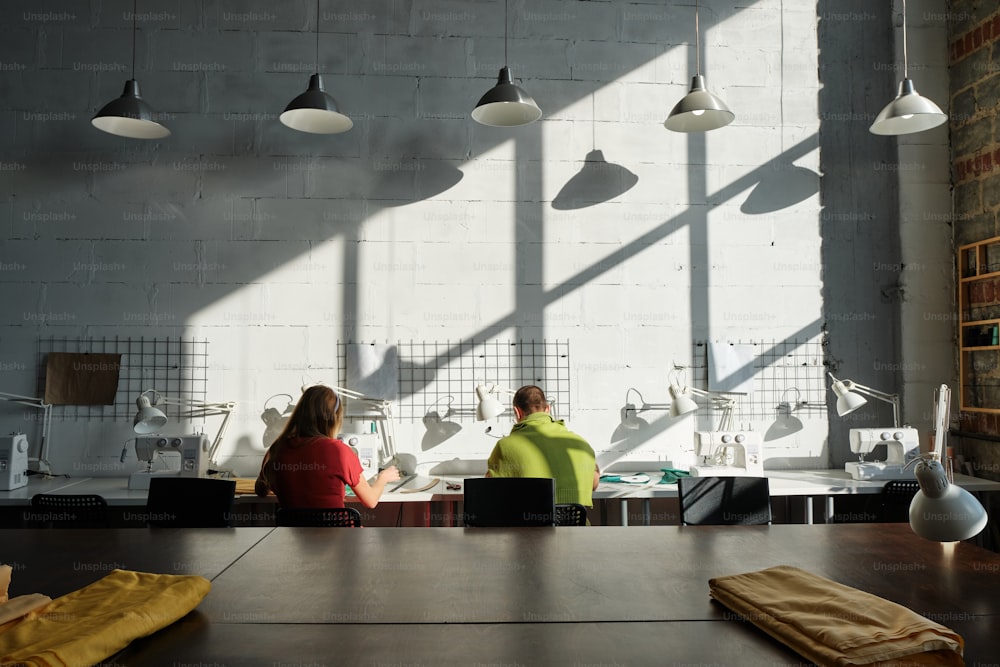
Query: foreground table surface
[{"x": 530, "y": 596}]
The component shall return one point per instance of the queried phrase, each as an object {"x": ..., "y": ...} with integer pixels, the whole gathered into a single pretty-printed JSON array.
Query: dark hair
[{"x": 529, "y": 399}]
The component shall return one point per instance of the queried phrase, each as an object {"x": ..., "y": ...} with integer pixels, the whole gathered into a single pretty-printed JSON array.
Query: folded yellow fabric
[
  {"x": 98, "y": 620},
  {"x": 833, "y": 624}
]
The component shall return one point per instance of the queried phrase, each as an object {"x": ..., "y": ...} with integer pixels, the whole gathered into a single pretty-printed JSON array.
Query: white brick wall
[{"x": 417, "y": 224}]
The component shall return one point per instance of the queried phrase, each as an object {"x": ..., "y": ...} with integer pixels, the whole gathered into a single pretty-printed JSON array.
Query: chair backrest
[
  {"x": 894, "y": 505},
  {"x": 724, "y": 501},
  {"x": 68, "y": 511},
  {"x": 571, "y": 514},
  {"x": 510, "y": 501},
  {"x": 190, "y": 502},
  {"x": 331, "y": 517}
]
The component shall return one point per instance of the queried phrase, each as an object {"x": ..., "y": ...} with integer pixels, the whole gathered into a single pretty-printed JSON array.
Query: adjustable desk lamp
[
  {"x": 899, "y": 440},
  {"x": 387, "y": 455},
  {"x": 195, "y": 451},
  {"x": 713, "y": 447}
]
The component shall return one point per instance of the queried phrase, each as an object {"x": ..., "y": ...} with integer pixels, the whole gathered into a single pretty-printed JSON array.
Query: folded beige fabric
[
  {"x": 833, "y": 624},
  {"x": 95, "y": 622},
  {"x": 15, "y": 608}
]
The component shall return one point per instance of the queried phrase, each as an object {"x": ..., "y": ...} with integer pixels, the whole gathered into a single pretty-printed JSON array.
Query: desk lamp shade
[
  {"x": 315, "y": 111},
  {"x": 489, "y": 405},
  {"x": 847, "y": 400},
  {"x": 506, "y": 104},
  {"x": 942, "y": 511},
  {"x": 149, "y": 419},
  {"x": 681, "y": 403}
]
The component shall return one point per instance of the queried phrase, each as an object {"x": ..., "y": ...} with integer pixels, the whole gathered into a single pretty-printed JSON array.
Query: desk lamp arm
[
  {"x": 388, "y": 429},
  {"x": 723, "y": 401},
  {"x": 891, "y": 399},
  {"x": 35, "y": 402}
]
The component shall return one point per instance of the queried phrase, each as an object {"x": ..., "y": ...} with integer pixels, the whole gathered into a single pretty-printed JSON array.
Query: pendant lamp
[
  {"x": 506, "y": 104},
  {"x": 314, "y": 110},
  {"x": 910, "y": 111},
  {"x": 699, "y": 110},
  {"x": 129, "y": 115}
]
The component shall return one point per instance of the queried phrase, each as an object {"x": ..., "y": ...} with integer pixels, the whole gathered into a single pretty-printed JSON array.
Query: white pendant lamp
[
  {"x": 910, "y": 111},
  {"x": 699, "y": 110},
  {"x": 314, "y": 110},
  {"x": 506, "y": 104},
  {"x": 129, "y": 115}
]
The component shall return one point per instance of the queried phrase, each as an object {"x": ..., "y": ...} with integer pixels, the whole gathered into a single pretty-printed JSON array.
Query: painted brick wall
[{"x": 419, "y": 225}]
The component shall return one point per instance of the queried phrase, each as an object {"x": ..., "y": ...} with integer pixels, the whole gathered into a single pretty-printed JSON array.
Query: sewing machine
[
  {"x": 366, "y": 446},
  {"x": 193, "y": 451},
  {"x": 13, "y": 461},
  {"x": 901, "y": 442},
  {"x": 728, "y": 454}
]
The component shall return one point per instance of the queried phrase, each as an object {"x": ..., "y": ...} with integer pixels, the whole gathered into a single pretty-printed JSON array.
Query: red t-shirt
[{"x": 312, "y": 472}]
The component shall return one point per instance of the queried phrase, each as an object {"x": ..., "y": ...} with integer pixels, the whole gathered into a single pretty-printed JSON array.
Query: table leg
[
  {"x": 808, "y": 507},
  {"x": 646, "y": 513},
  {"x": 624, "y": 512}
]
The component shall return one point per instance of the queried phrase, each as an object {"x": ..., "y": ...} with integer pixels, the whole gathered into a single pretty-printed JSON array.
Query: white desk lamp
[
  {"x": 383, "y": 406},
  {"x": 35, "y": 402},
  {"x": 849, "y": 397},
  {"x": 489, "y": 405},
  {"x": 942, "y": 511},
  {"x": 150, "y": 419},
  {"x": 684, "y": 403}
]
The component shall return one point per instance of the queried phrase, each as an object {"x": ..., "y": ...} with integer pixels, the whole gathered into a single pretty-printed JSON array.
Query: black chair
[
  {"x": 510, "y": 501},
  {"x": 331, "y": 517},
  {"x": 68, "y": 511},
  {"x": 724, "y": 501},
  {"x": 894, "y": 501},
  {"x": 190, "y": 502},
  {"x": 571, "y": 514}
]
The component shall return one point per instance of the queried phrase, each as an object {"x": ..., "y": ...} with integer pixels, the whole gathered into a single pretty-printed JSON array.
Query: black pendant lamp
[
  {"x": 314, "y": 110},
  {"x": 129, "y": 115},
  {"x": 506, "y": 104},
  {"x": 699, "y": 110}
]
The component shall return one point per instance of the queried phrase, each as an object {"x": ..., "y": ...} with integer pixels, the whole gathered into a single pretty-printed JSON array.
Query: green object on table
[
  {"x": 638, "y": 478},
  {"x": 671, "y": 475}
]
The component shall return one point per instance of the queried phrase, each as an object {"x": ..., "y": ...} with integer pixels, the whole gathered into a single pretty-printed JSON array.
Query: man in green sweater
[{"x": 540, "y": 446}]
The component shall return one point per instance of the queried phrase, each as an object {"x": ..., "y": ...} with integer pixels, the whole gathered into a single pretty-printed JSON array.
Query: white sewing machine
[
  {"x": 900, "y": 442},
  {"x": 728, "y": 454},
  {"x": 13, "y": 461},
  {"x": 366, "y": 446},
  {"x": 193, "y": 451}
]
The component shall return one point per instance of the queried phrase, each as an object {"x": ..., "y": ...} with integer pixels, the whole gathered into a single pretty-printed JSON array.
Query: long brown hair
[{"x": 319, "y": 413}]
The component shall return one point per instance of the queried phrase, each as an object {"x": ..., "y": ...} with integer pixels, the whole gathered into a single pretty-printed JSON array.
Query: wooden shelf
[{"x": 979, "y": 350}]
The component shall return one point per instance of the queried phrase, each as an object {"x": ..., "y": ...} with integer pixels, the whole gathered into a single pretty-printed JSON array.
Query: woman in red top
[{"x": 308, "y": 467}]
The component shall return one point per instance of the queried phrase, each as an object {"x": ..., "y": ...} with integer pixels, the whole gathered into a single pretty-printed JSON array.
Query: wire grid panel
[
  {"x": 788, "y": 371},
  {"x": 174, "y": 367},
  {"x": 441, "y": 376}
]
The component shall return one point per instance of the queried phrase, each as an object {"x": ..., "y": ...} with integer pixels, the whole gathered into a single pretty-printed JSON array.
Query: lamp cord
[
  {"x": 133, "y": 37},
  {"x": 905, "y": 64},
  {"x": 505, "y": 11},
  {"x": 697, "y": 41},
  {"x": 317, "y": 36}
]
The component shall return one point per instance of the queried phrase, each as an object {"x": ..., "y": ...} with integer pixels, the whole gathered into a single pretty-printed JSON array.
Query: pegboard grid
[
  {"x": 780, "y": 367},
  {"x": 175, "y": 367},
  {"x": 441, "y": 376}
]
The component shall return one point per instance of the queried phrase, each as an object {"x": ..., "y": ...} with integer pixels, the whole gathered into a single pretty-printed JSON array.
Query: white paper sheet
[{"x": 730, "y": 367}]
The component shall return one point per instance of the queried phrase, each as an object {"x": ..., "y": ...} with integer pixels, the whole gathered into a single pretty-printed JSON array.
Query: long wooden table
[{"x": 528, "y": 596}]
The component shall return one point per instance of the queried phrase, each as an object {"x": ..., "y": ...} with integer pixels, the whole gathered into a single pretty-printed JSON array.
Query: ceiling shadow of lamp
[
  {"x": 275, "y": 420},
  {"x": 438, "y": 427},
  {"x": 598, "y": 181},
  {"x": 699, "y": 110},
  {"x": 42, "y": 462},
  {"x": 785, "y": 422},
  {"x": 781, "y": 187},
  {"x": 149, "y": 418},
  {"x": 506, "y": 104},
  {"x": 942, "y": 511},
  {"x": 315, "y": 111},
  {"x": 489, "y": 406},
  {"x": 850, "y": 398},
  {"x": 129, "y": 115},
  {"x": 910, "y": 111}
]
